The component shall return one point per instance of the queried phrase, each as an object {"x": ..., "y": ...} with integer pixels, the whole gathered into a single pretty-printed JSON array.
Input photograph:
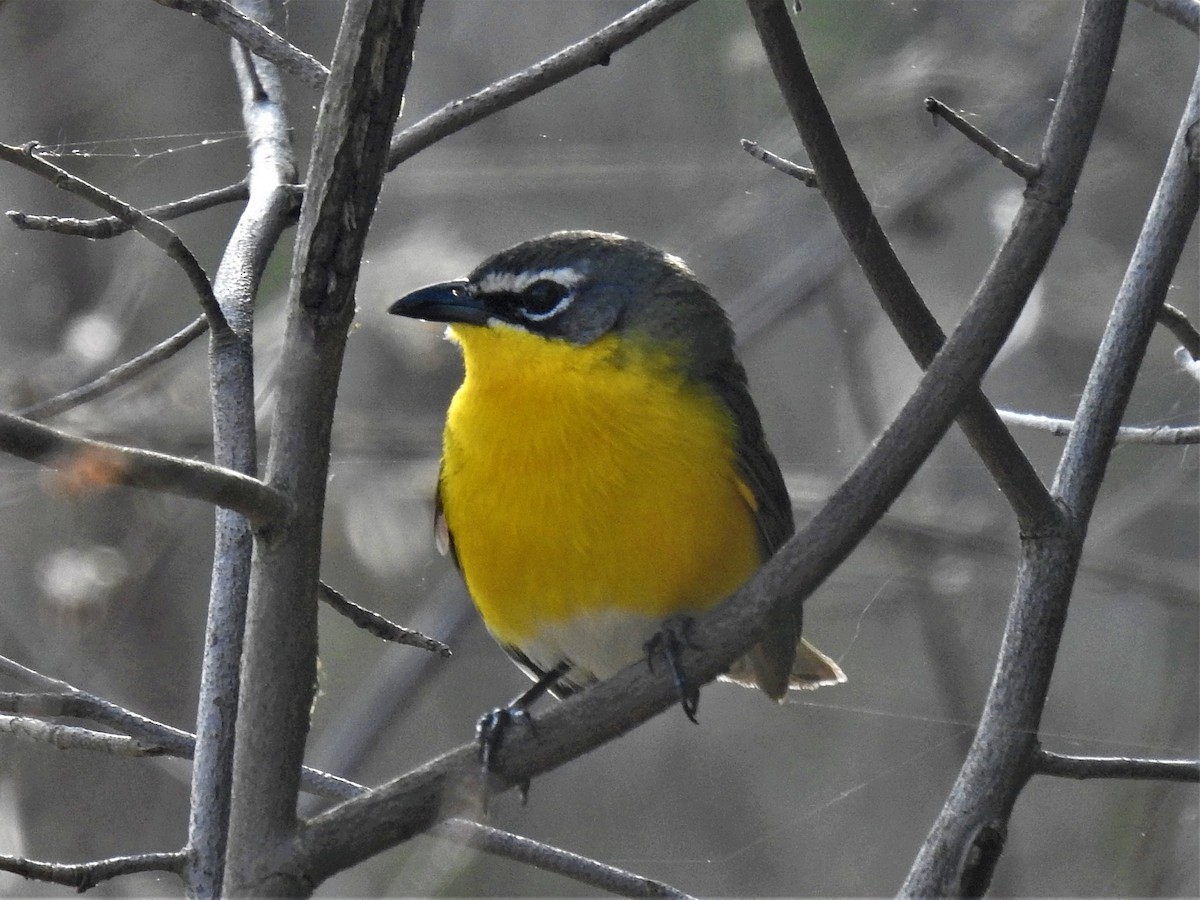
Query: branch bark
[
  {"x": 87, "y": 465},
  {"x": 954, "y": 859},
  {"x": 362, "y": 99},
  {"x": 1013, "y": 472},
  {"x": 235, "y": 442},
  {"x": 260, "y": 40}
]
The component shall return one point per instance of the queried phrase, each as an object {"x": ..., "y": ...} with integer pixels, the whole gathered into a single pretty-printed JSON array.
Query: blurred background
[{"x": 830, "y": 794}]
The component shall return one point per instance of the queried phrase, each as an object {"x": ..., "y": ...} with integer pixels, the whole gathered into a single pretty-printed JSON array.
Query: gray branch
[
  {"x": 964, "y": 844},
  {"x": 1161, "y": 434},
  {"x": 1063, "y": 766},
  {"x": 893, "y": 287},
  {"x": 116, "y": 376},
  {"x": 255, "y": 37},
  {"x": 594, "y": 50},
  {"x": 84, "y": 876},
  {"x": 87, "y": 465},
  {"x": 147, "y": 226}
]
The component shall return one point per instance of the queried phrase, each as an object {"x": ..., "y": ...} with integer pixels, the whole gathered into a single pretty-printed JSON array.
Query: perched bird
[{"x": 604, "y": 468}]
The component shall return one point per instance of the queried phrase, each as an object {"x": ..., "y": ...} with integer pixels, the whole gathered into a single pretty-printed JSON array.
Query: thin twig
[
  {"x": 595, "y": 50},
  {"x": 1026, "y": 170},
  {"x": 804, "y": 175},
  {"x": 1176, "y": 322},
  {"x": 86, "y": 464},
  {"x": 116, "y": 376},
  {"x": 587, "y": 871},
  {"x": 257, "y": 38},
  {"x": 75, "y": 703},
  {"x": 1064, "y": 766},
  {"x": 72, "y": 737},
  {"x": 373, "y": 622},
  {"x": 1162, "y": 434},
  {"x": 147, "y": 226},
  {"x": 83, "y": 876},
  {"x": 111, "y": 226},
  {"x": 1185, "y": 12}
]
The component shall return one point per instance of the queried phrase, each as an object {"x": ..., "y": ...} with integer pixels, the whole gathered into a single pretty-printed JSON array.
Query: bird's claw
[
  {"x": 490, "y": 732},
  {"x": 668, "y": 642}
]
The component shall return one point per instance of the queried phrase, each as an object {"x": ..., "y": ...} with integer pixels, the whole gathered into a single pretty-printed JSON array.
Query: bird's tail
[{"x": 810, "y": 668}]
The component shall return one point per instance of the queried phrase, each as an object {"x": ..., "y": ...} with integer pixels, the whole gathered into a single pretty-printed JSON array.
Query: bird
[{"x": 605, "y": 475}]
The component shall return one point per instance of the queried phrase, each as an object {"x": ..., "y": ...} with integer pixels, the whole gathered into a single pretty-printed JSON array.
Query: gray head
[{"x": 578, "y": 286}]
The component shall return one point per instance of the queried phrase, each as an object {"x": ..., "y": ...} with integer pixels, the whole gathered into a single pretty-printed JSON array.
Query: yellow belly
[{"x": 590, "y": 485}]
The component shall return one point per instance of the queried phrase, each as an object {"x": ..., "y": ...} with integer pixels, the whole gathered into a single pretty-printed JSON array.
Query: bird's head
[{"x": 580, "y": 286}]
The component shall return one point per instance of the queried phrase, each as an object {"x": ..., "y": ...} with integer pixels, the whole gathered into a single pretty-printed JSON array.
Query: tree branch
[
  {"x": 63, "y": 700},
  {"x": 255, "y": 37},
  {"x": 71, "y": 737},
  {"x": 147, "y": 226},
  {"x": 235, "y": 446},
  {"x": 839, "y": 185},
  {"x": 1185, "y": 12},
  {"x": 805, "y": 176},
  {"x": 1026, "y": 171},
  {"x": 358, "y": 113},
  {"x": 372, "y": 622},
  {"x": 86, "y": 464},
  {"x": 582, "y": 869},
  {"x": 594, "y": 50},
  {"x": 1176, "y": 322},
  {"x": 1162, "y": 434},
  {"x": 1047, "y": 763},
  {"x": 84, "y": 876},
  {"x": 116, "y": 376},
  {"x": 111, "y": 226},
  {"x": 961, "y": 851}
]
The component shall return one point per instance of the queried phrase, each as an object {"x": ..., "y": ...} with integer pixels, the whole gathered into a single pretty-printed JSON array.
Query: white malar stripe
[{"x": 515, "y": 282}]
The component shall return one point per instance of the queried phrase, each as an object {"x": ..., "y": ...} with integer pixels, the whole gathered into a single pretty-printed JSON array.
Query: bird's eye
[{"x": 543, "y": 299}]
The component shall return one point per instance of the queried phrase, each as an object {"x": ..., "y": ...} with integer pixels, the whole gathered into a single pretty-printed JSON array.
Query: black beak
[{"x": 446, "y": 302}]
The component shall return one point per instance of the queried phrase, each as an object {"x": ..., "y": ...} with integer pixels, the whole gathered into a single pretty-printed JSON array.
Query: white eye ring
[{"x": 558, "y": 307}]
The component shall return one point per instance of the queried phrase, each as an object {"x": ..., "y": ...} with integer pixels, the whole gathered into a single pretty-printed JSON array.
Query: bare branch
[
  {"x": 1027, "y": 171},
  {"x": 69, "y": 701},
  {"x": 587, "y": 871},
  {"x": 960, "y": 853},
  {"x": 235, "y": 446},
  {"x": 1176, "y": 322},
  {"x": 70, "y": 737},
  {"x": 1185, "y": 12},
  {"x": 255, "y": 37},
  {"x": 147, "y": 226},
  {"x": 86, "y": 464},
  {"x": 84, "y": 876},
  {"x": 111, "y": 226},
  {"x": 1048, "y": 763},
  {"x": 116, "y": 376},
  {"x": 591, "y": 51},
  {"x": 369, "y": 74},
  {"x": 1162, "y": 434},
  {"x": 807, "y": 177},
  {"x": 373, "y": 622},
  {"x": 893, "y": 287}
]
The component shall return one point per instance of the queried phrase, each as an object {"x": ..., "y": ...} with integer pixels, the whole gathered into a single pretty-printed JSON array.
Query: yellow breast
[{"x": 585, "y": 480}]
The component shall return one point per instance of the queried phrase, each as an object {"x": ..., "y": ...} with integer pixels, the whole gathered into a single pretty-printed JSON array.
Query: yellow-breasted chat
[{"x": 604, "y": 468}]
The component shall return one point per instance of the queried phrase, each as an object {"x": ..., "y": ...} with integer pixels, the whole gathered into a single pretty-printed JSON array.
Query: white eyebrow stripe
[{"x": 515, "y": 282}]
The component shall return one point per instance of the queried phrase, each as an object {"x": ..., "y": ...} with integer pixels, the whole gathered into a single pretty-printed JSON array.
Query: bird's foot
[{"x": 672, "y": 636}]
